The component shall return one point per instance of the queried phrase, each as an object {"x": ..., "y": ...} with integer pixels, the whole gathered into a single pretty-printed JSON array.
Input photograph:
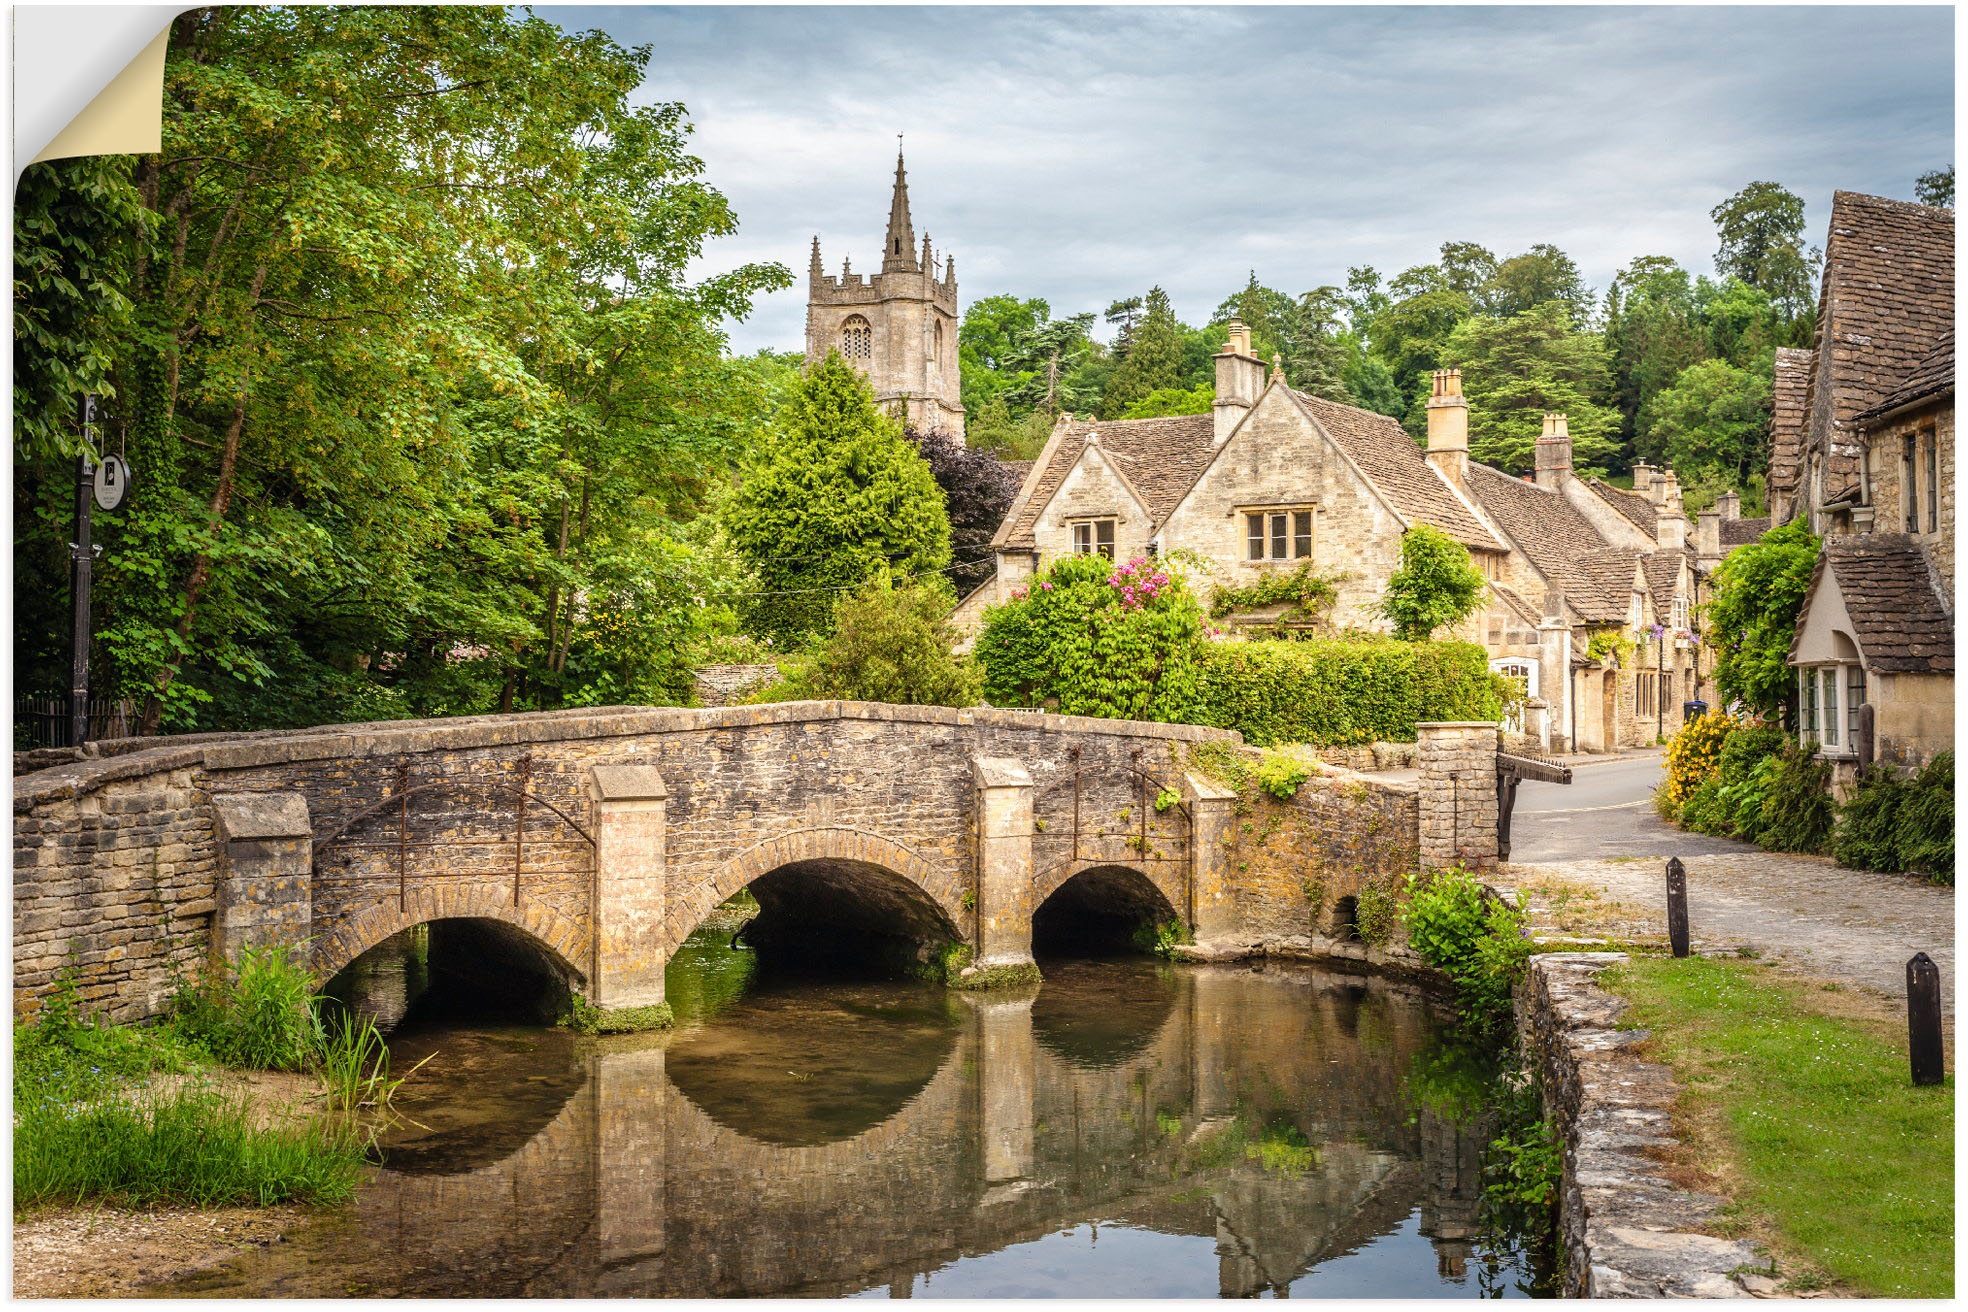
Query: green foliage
[
  {"x": 1524, "y": 1165},
  {"x": 1752, "y": 616},
  {"x": 1309, "y": 595},
  {"x": 1897, "y": 823},
  {"x": 1797, "y": 809},
  {"x": 1167, "y": 799},
  {"x": 1163, "y": 938},
  {"x": 891, "y": 644},
  {"x": 1340, "y": 691},
  {"x": 1087, "y": 637},
  {"x": 1761, "y": 234},
  {"x": 1434, "y": 587},
  {"x": 1164, "y": 401},
  {"x": 1610, "y": 644},
  {"x": 258, "y": 1015},
  {"x": 1692, "y": 754},
  {"x": 836, "y": 494},
  {"x": 419, "y": 392},
  {"x": 79, "y": 225},
  {"x": 584, "y": 1017},
  {"x": 1714, "y": 421},
  {"x": 1517, "y": 370},
  {"x": 1814, "y": 1115},
  {"x": 1936, "y": 188},
  {"x": 1153, "y": 359},
  {"x": 354, "y": 1064},
  {"x": 1282, "y": 776},
  {"x": 1478, "y": 941},
  {"x": 1376, "y": 910}
]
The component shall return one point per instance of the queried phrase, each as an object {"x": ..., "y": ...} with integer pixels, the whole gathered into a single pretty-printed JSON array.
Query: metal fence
[{"x": 42, "y": 721}]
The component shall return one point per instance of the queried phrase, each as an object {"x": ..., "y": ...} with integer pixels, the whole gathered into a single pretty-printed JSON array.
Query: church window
[
  {"x": 857, "y": 338},
  {"x": 1094, "y": 535}
]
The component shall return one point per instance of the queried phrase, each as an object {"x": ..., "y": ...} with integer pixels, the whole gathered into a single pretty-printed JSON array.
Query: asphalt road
[{"x": 1607, "y": 810}]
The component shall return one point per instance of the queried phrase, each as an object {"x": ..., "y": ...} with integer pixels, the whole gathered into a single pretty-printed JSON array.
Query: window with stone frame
[
  {"x": 1093, "y": 535},
  {"x": 1279, "y": 533},
  {"x": 1933, "y": 474},
  {"x": 1909, "y": 504},
  {"x": 857, "y": 338}
]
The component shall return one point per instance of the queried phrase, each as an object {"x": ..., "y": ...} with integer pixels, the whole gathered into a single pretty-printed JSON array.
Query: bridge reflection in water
[{"x": 1220, "y": 1130}]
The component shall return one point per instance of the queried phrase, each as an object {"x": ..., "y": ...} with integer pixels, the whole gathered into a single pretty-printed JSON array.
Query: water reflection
[{"x": 1122, "y": 1129}]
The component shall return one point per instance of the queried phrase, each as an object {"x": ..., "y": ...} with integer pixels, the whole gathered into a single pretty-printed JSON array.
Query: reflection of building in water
[{"x": 1263, "y": 1110}]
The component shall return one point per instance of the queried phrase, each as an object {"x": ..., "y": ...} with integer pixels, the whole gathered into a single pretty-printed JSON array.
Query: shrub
[
  {"x": 1896, "y": 822},
  {"x": 1309, "y": 597},
  {"x": 1435, "y": 585},
  {"x": 1087, "y": 637},
  {"x": 1341, "y": 691},
  {"x": 1797, "y": 807},
  {"x": 1692, "y": 755},
  {"x": 890, "y": 644},
  {"x": 1476, "y": 940},
  {"x": 1752, "y": 616}
]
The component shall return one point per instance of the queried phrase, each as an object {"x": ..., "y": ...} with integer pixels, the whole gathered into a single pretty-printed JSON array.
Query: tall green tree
[
  {"x": 1936, "y": 188},
  {"x": 1515, "y": 370},
  {"x": 1752, "y": 616},
  {"x": 1154, "y": 359},
  {"x": 1543, "y": 273},
  {"x": 1760, "y": 231},
  {"x": 1714, "y": 423},
  {"x": 410, "y": 439},
  {"x": 837, "y": 494},
  {"x": 1652, "y": 334}
]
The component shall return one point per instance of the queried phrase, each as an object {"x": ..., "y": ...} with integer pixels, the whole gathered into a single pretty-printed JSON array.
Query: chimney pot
[{"x": 1554, "y": 453}]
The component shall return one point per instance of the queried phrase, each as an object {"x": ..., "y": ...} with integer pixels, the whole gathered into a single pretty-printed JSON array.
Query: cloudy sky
[{"x": 1084, "y": 154}]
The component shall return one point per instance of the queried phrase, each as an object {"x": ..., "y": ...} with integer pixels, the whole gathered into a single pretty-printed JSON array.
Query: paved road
[{"x": 1591, "y": 857}]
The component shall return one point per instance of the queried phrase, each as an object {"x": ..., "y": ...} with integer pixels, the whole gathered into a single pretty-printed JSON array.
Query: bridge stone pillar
[
  {"x": 266, "y": 872},
  {"x": 631, "y": 1092},
  {"x": 1212, "y": 901},
  {"x": 1458, "y": 802},
  {"x": 1004, "y": 874},
  {"x": 629, "y": 896}
]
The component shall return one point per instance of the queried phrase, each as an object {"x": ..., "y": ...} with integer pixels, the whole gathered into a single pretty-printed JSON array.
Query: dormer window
[
  {"x": 1094, "y": 535},
  {"x": 1284, "y": 534}
]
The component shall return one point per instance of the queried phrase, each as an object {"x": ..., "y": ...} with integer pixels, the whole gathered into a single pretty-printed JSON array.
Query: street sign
[{"x": 112, "y": 482}]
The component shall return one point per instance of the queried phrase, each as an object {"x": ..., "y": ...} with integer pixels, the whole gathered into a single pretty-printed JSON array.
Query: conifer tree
[
  {"x": 1154, "y": 357},
  {"x": 838, "y": 494}
]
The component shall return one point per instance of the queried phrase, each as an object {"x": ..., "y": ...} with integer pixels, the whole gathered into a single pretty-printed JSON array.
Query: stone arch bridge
[{"x": 599, "y": 839}]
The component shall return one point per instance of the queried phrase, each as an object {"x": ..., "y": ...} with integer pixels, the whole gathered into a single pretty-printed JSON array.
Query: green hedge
[
  {"x": 1897, "y": 822},
  {"x": 1335, "y": 692}
]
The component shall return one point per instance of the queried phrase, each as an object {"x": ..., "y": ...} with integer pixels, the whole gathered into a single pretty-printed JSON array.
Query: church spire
[{"x": 898, "y": 254}]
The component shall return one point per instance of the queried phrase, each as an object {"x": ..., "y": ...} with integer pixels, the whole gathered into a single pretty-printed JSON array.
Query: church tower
[{"x": 898, "y": 326}]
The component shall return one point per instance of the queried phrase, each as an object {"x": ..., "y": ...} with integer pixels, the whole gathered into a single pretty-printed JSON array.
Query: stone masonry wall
[
  {"x": 1458, "y": 786},
  {"x": 1627, "y": 1231}
]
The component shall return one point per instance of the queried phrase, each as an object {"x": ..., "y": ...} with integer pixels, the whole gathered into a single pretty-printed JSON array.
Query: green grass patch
[{"x": 1819, "y": 1121}]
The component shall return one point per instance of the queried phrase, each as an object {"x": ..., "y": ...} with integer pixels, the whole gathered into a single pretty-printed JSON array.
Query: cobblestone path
[{"x": 1846, "y": 925}]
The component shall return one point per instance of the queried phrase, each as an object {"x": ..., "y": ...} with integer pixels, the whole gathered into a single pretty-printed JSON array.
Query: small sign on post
[
  {"x": 1677, "y": 906},
  {"x": 1924, "y": 1019}
]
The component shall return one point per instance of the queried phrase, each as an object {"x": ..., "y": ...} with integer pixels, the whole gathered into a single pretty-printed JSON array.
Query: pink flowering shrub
[{"x": 1088, "y": 637}]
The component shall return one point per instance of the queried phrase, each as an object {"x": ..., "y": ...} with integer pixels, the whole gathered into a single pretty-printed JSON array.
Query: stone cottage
[
  {"x": 1862, "y": 446},
  {"x": 1590, "y": 586}
]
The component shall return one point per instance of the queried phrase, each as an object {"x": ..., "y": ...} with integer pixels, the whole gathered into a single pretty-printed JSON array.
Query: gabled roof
[
  {"x": 1790, "y": 403},
  {"x": 1663, "y": 570},
  {"x": 1517, "y": 605},
  {"x": 1737, "y": 532},
  {"x": 1644, "y": 514},
  {"x": 1161, "y": 458},
  {"x": 1931, "y": 379},
  {"x": 1888, "y": 296},
  {"x": 1558, "y": 540},
  {"x": 1387, "y": 455},
  {"x": 1903, "y": 627}
]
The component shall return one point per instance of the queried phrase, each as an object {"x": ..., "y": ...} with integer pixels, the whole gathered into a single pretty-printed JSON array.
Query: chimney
[
  {"x": 1239, "y": 381},
  {"x": 1554, "y": 453},
  {"x": 1671, "y": 529},
  {"x": 1670, "y": 493},
  {"x": 1643, "y": 481},
  {"x": 1448, "y": 426},
  {"x": 1708, "y": 533},
  {"x": 1730, "y": 504}
]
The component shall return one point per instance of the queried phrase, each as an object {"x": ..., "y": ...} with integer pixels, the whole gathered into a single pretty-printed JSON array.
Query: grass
[{"x": 1808, "y": 1119}]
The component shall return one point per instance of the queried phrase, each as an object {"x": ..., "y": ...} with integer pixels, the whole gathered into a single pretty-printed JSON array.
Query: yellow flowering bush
[{"x": 1692, "y": 756}]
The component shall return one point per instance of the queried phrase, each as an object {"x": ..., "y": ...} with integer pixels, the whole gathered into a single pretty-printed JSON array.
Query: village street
[{"x": 1592, "y": 855}]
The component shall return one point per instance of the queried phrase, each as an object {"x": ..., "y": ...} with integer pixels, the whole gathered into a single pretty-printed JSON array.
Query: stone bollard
[{"x": 1458, "y": 794}]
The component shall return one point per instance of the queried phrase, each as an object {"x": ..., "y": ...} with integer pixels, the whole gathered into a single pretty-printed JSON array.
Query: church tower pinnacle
[
  {"x": 898, "y": 254},
  {"x": 898, "y": 326}
]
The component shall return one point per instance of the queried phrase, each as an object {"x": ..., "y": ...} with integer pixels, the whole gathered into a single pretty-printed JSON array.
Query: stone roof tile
[
  {"x": 1903, "y": 627},
  {"x": 1737, "y": 532},
  {"x": 1557, "y": 539},
  {"x": 1790, "y": 401},
  {"x": 1163, "y": 458},
  {"x": 1387, "y": 455},
  {"x": 1644, "y": 514},
  {"x": 1931, "y": 379}
]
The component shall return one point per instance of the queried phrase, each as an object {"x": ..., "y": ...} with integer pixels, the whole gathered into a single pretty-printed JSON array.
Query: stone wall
[
  {"x": 719, "y": 685},
  {"x": 1458, "y": 794},
  {"x": 1627, "y": 1231}
]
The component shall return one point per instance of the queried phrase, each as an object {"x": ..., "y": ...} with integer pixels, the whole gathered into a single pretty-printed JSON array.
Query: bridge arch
[
  {"x": 1099, "y": 907},
  {"x": 874, "y": 882},
  {"x": 562, "y": 939}
]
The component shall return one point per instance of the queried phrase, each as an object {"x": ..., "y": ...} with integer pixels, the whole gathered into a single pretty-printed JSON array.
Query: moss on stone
[
  {"x": 586, "y": 1018},
  {"x": 1009, "y": 975}
]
